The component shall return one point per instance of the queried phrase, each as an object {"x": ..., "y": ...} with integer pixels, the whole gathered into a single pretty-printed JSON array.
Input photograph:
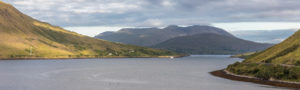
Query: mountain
[
  {"x": 192, "y": 39},
  {"x": 286, "y": 52},
  {"x": 210, "y": 43},
  {"x": 153, "y": 36},
  {"x": 279, "y": 62},
  {"x": 25, "y": 37}
]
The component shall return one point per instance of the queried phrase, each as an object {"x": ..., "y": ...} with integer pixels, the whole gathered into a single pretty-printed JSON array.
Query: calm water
[{"x": 189, "y": 73}]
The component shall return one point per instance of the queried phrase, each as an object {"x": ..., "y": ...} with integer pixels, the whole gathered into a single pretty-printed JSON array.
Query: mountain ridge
[
  {"x": 153, "y": 36},
  {"x": 209, "y": 43},
  {"x": 160, "y": 38}
]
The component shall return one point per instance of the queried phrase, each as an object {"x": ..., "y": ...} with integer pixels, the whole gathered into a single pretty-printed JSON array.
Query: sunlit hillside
[
  {"x": 280, "y": 62},
  {"x": 24, "y": 37}
]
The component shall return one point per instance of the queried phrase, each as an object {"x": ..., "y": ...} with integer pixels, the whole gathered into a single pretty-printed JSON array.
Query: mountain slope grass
[
  {"x": 25, "y": 37},
  {"x": 280, "y": 62},
  {"x": 286, "y": 52}
]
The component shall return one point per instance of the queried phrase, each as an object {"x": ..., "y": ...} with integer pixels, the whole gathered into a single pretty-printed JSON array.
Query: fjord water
[{"x": 188, "y": 73}]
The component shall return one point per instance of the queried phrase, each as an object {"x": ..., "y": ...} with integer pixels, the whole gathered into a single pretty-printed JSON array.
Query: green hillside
[
  {"x": 281, "y": 61},
  {"x": 287, "y": 52},
  {"x": 24, "y": 37}
]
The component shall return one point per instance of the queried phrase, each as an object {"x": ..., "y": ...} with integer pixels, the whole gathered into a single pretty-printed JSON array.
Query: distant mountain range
[
  {"x": 264, "y": 36},
  {"x": 192, "y": 39},
  {"x": 153, "y": 36},
  {"x": 25, "y": 37},
  {"x": 210, "y": 43}
]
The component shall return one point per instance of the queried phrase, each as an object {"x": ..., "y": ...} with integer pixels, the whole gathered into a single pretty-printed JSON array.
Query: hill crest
[
  {"x": 153, "y": 36},
  {"x": 210, "y": 43}
]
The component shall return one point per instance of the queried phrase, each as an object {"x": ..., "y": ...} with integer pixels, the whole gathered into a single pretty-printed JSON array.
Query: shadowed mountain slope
[
  {"x": 191, "y": 40},
  {"x": 210, "y": 43},
  {"x": 153, "y": 36}
]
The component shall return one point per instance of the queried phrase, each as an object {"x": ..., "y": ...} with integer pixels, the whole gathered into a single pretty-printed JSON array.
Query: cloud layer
[{"x": 145, "y": 13}]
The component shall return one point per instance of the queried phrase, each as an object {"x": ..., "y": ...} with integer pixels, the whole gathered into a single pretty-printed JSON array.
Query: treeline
[{"x": 134, "y": 52}]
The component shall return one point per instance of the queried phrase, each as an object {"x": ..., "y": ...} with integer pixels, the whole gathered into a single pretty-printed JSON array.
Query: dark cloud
[{"x": 157, "y": 12}]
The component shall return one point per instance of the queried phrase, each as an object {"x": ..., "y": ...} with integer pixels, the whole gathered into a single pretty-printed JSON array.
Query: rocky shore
[{"x": 225, "y": 74}]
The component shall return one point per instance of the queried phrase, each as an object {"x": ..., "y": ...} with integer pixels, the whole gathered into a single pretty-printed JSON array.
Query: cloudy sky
[{"x": 91, "y": 17}]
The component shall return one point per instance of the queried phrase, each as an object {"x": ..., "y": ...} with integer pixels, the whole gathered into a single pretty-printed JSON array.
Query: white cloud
[
  {"x": 23, "y": 3},
  {"x": 227, "y": 14},
  {"x": 158, "y": 12},
  {"x": 94, "y": 30},
  {"x": 112, "y": 7},
  {"x": 168, "y": 3},
  {"x": 152, "y": 23},
  {"x": 34, "y": 4},
  {"x": 80, "y": 6},
  {"x": 279, "y": 39},
  {"x": 258, "y": 25}
]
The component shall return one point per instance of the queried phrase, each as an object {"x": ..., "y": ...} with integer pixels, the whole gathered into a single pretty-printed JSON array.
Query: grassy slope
[
  {"x": 20, "y": 32},
  {"x": 286, "y": 52},
  {"x": 244, "y": 55},
  {"x": 266, "y": 71},
  {"x": 281, "y": 62}
]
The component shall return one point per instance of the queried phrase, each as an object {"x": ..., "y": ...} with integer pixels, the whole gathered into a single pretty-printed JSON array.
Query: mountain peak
[
  {"x": 172, "y": 27},
  {"x": 136, "y": 36},
  {"x": 3, "y": 4},
  {"x": 202, "y": 26},
  {"x": 199, "y": 26},
  {"x": 210, "y": 43}
]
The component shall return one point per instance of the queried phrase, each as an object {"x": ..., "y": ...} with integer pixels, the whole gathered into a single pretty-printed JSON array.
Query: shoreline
[
  {"x": 223, "y": 74},
  {"x": 105, "y": 57}
]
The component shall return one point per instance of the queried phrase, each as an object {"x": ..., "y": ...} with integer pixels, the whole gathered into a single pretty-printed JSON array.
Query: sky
[
  {"x": 91, "y": 17},
  {"x": 264, "y": 36}
]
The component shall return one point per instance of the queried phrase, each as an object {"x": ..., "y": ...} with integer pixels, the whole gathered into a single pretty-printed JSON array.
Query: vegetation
[
  {"x": 244, "y": 55},
  {"x": 25, "y": 37},
  {"x": 286, "y": 52},
  {"x": 281, "y": 62},
  {"x": 266, "y": 71}
]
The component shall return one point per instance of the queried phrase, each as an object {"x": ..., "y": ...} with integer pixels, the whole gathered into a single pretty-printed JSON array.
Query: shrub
[
  {"x": 264, "y": 74},
  {"x": 297, "y": 63}
]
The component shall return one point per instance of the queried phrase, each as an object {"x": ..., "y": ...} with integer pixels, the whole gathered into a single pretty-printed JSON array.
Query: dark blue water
[{"x": 188, "y": 73}]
